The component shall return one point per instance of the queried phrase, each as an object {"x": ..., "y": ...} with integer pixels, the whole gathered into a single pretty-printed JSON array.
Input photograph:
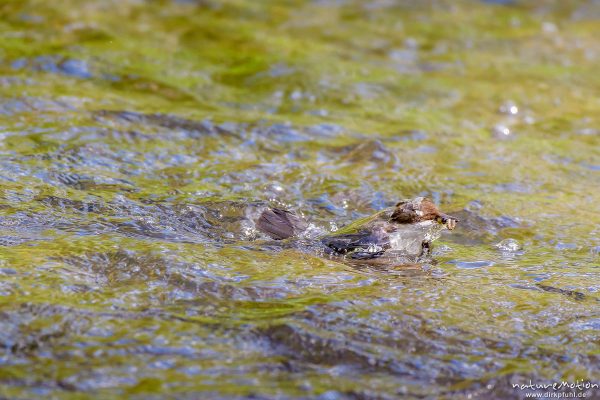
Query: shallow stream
[{"x": 137, "y": 138}]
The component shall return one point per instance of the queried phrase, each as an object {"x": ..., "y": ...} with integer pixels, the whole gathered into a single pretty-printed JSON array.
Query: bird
[{"x": 407, "y": 229}]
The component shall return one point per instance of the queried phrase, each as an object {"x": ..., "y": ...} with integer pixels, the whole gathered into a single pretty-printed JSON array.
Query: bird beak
[{"x": 447, "y": 220}]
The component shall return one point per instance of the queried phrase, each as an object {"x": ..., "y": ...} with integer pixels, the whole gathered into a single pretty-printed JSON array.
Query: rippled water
[{"x": 138, "y": 139}]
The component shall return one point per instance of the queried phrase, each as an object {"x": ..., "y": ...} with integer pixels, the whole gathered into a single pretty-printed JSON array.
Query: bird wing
[{"x": 280, "y": 224}]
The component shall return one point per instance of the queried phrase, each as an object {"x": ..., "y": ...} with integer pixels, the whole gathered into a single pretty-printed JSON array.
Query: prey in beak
[{"x": 447, "y": 220}]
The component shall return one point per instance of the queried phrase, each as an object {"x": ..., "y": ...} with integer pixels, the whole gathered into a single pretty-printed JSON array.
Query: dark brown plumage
[{"x": 280, "y": 224}]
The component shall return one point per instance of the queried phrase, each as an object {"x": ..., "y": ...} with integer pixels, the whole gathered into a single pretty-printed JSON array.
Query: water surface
[{"x": 138, "y": 138}]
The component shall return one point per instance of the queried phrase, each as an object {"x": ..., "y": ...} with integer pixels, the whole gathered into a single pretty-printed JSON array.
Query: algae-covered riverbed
[{"x": 136, "y": 136}]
